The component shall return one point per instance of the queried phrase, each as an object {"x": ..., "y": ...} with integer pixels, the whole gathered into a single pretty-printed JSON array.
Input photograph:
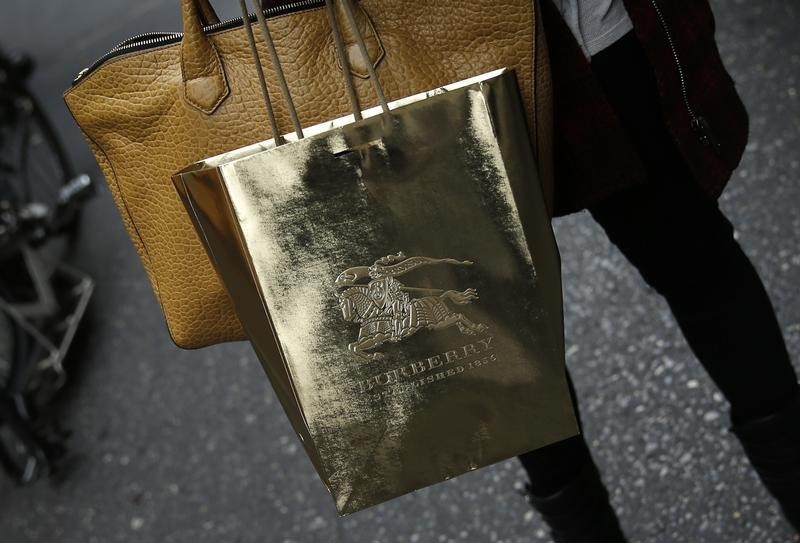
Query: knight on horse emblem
[{"x": 382, "y": 305}]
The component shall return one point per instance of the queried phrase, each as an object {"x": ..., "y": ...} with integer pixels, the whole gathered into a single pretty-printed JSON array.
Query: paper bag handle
[
  {"x": 344, "y": 61},
  {"x": 205, "y": 84},
  {"x": 347, "y": 10}
]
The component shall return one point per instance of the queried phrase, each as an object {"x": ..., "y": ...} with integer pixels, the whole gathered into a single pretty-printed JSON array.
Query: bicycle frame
[{"x": 44, "y": 299}]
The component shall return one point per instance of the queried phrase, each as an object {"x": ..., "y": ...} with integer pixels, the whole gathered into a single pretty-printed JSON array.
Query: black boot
[
  {"x": 579, "y": 512},
  {"x": 772, "y": 444}
]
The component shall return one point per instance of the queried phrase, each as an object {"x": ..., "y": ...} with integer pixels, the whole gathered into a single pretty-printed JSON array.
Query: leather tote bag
[{"x": 159, "y": 102}]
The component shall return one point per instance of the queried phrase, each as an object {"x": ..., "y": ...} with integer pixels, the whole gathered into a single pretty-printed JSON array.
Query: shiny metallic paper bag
[{"x": 399, "y": 280}]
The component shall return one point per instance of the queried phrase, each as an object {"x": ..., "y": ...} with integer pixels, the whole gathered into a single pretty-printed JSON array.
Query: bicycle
[{"x": 42, "y": 299}]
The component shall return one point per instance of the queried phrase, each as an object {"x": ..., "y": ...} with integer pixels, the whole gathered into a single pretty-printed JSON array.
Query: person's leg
[
  {"x": 566, "y": 488},
  {"x": 683, "y": 245},
  {"x": 549, "y": 467}
]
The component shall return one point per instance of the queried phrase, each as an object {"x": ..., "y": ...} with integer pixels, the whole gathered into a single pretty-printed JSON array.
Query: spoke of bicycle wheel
[
  {"x": 10, "y": 157},
  {"x": 44, "y": 174}
]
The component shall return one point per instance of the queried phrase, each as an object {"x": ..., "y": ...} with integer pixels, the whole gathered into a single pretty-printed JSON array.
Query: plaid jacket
[{"x": 593, "y": 156}]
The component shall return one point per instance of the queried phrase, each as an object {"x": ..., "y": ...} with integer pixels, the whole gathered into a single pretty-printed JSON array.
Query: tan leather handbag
[{"x": 159, "y": 102}]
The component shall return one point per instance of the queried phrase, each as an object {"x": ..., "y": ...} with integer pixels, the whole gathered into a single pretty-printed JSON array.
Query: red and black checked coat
[{"x": 593, "y": 156}]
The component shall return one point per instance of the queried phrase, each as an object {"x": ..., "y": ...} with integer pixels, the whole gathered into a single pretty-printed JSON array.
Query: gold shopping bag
[{"x": 400, "y": 283}]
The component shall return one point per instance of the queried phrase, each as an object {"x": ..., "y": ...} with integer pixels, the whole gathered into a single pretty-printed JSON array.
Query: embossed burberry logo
[{"x": 374, "y": 298}]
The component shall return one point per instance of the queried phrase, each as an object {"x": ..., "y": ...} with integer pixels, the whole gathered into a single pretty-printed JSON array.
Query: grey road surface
[{"x": 191, "y": 446}]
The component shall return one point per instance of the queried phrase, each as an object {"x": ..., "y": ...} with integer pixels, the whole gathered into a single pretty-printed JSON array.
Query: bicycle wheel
[
  {"x": 6, "y": 348},
  {"x": 35, "y": 152},
  {"x": 34, "y": 162},
  {"x": 13, "y": 453}
]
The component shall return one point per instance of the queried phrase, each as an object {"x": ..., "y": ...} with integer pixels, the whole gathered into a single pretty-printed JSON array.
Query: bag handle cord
[
  {"x": 204, "y": 78},
  {"x": 278, "y": 69}
]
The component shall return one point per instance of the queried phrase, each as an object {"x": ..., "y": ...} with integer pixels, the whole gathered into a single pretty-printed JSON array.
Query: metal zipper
[
  {"x": 136, "y": 43},
  {"x": 143, "y": 38},
  {"x": 157, "y": 39},
  {"x": 699, "y": 124}
]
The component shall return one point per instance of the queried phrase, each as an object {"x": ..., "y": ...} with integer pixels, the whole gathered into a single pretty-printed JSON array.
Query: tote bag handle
[
  {"x": 204, "y": 81},
  {"x": 347, "y": 10}
]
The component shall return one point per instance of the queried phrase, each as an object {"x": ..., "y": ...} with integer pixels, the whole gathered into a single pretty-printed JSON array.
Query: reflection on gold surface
[{"x": 391, "y": 384}]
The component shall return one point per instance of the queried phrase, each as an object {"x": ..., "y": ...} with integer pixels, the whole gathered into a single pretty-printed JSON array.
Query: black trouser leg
[
  {"x": 567, "y": 490},
  {"x": 683, "y": 246},
  {"x": 550, "y": 467}
]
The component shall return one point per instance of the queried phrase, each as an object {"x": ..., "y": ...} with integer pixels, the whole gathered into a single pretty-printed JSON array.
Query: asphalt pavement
[{"x": 192, "y": 446}]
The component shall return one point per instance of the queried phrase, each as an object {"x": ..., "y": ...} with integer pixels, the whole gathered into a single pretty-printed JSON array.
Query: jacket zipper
[
  {"x": 699, "y": 124},
  {"x": 158, "y": 39}
]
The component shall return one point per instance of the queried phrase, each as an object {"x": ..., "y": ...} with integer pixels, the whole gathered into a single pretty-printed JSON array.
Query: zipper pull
[
  {"x": 703, "y": 131},
  {"x": 80, "y": 75}
]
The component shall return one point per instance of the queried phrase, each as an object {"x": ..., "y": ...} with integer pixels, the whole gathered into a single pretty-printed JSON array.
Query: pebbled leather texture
[
  {"x": 144, "y": 123},
  {"x": 375, "y": 51}
]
